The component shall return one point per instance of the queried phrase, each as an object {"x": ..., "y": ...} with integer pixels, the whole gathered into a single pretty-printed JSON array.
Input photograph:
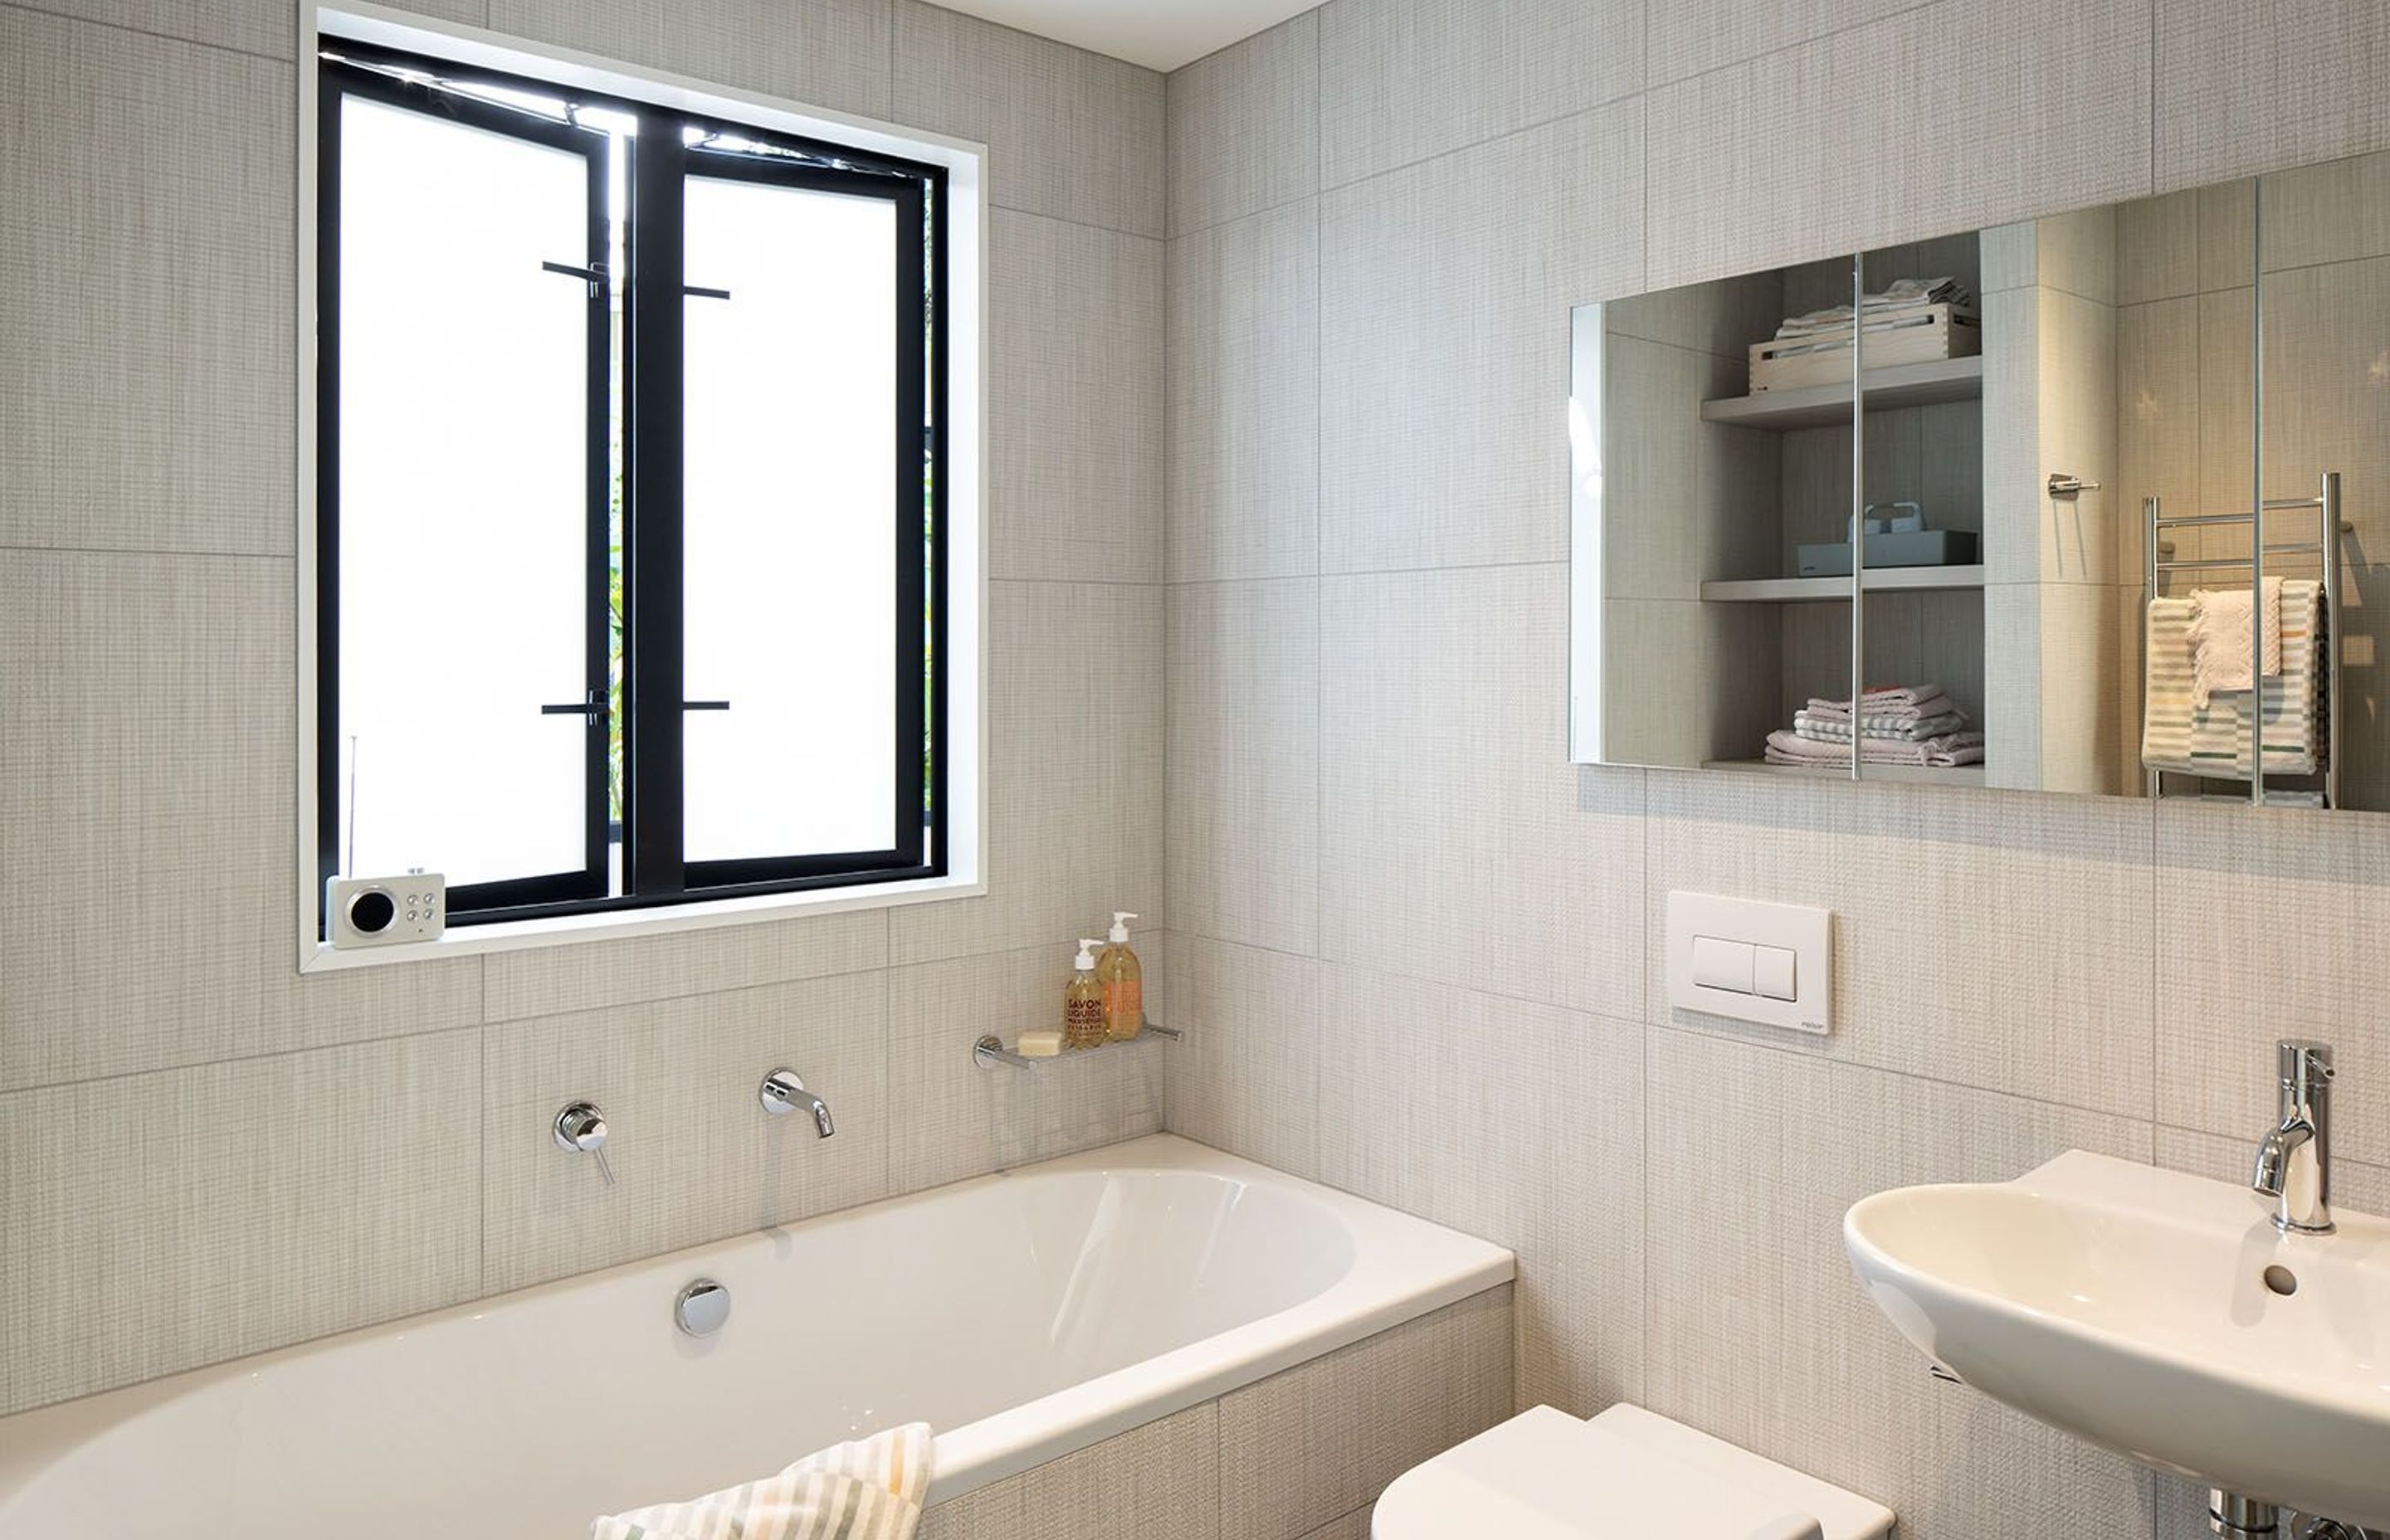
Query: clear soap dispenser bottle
[
  {"x": 1082, "y": 1002},
  {"x": 1124, "y": 980}
]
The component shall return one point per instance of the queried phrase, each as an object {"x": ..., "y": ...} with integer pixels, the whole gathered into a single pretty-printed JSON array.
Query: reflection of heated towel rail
[{"x": 2325, "y": 547}]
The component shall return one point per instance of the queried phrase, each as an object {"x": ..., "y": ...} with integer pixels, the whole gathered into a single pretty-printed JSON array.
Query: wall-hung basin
[{"x": 2158, "y": 1315}]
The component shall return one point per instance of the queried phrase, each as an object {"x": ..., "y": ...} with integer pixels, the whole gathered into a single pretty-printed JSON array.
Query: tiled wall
[
  {"x": 202, "y": 1154},
  {"x": 1413, "y": 948}
]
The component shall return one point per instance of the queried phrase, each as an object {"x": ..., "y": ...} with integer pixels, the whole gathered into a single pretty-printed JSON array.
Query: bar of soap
[{"x": 1038, "y": 1045}]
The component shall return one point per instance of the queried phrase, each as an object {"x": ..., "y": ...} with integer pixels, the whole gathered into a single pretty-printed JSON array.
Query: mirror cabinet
[{"x": 2023, "y": 523}]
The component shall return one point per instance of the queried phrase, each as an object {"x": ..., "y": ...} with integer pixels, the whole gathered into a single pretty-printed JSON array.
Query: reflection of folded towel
[
  {"x": 868, "y": 1490},
  {"x": 1902, "y": 295},
  {"x": 1833, "y": 728},
  {"x": 1950, "y": 749},
  {"x": 2220, "y": 641},
  {"x": 1890, "y": 701}
]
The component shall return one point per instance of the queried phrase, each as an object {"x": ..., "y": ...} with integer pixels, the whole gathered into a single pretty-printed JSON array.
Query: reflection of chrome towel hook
[{"x": 2063, "y": 486}]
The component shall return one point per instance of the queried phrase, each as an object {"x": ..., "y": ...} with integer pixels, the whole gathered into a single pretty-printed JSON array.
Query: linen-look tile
[
  {"x": 824, "y": 53},
  {"x": 549, "y": 981},
  {"x": 146, "y": 774},
  {"x": 1992, "y": 941},
  {"x": 145, "y": 273},
  {"x": 1246, "y": 1077},
  {"x": 1404, "y": 79},
  {"x": 1243, "y": 361},
  {"x": 154, "y": 1222},
  {"x": 1521, "y": 1123},
  {"x": 1244, "y": 126},
  {"x": 1445, "y": 291},
  {"x": 2064, "y": 123},
  {"x": 1244, "y": 793},
  {"x": 949, "y": 1118},
  {"x": 1074, "y": 450},
  {"x": 1456, "y": 841},
  {"x": 1762, "y": 1337},
  {"x": 695, "y": 1156},
  {"x": 1317, "y": 1442},
  {"x": 1071, "y": 135},
  {"x": 2244, "y": 88},
  {"x": 1074, "y": 788},
  {"x": 2233, "y": 885}
]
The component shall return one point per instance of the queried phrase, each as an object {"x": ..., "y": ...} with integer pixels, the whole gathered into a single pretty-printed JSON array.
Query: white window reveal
[{"x": 643, "y": 581}]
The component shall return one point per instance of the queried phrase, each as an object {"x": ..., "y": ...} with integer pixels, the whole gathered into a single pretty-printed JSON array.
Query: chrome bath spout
[{"x": 783, "y": 1093}]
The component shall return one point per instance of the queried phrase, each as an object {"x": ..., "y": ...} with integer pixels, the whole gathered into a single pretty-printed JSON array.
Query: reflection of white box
[
  {"x": 386, "y": 911},
  {"x": 1824, "y": 358}
]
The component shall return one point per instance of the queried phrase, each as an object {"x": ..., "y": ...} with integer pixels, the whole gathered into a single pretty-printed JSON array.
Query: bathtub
[{"x": 1023, "y": 1315}]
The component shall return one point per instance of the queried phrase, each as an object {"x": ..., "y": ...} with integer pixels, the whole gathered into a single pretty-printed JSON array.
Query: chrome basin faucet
[{"x": 2295, "y": 1160}]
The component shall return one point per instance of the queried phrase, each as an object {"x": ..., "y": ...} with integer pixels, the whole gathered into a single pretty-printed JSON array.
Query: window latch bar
[
  {"x": 705, "y": 705},
  {"x": 595, "y": 275},
  {"x": 590, "y": 708},
  {"x": 696, "y": 293}
]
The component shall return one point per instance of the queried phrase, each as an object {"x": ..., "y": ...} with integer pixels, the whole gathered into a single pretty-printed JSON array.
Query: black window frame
[{"x": 661, "y": 157}]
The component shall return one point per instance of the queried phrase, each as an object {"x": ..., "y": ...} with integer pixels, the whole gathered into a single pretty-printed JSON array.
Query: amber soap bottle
[
  {"x": 1123, "y": 978},
  {"x": 1082, "y": 1002}
]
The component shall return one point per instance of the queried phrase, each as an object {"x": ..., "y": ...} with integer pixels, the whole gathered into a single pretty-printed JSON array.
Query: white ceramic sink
[{"x": 2144, "y": 1310}]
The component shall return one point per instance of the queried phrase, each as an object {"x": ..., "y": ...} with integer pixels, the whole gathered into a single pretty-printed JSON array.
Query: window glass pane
[
  {"x": 464, "y": 508},
  {"x": 789, "y": 522}
]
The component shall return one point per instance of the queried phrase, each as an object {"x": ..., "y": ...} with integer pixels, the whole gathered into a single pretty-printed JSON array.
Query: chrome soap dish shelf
[{"x": 990, "y": 1051}]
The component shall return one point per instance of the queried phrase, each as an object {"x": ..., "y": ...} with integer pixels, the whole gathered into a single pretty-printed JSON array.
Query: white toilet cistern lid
[{"x": 1627, "y": 1474}]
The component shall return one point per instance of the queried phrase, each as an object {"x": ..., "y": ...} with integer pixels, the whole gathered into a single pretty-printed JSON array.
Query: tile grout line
[
  {"x": 1320, "y": 825},
  {"x": 1794, "y": 1051},
  {"x": 12, "y": 547},
  {"x": 484, "y": 1024},
  {"x": 481, "y": 1185},
  {"x": 193, "y": 1066},
  {"x": 1790, "y": 46},
  {"x": 289, "y": 62},
  {"x": 2156, "y": 972}
]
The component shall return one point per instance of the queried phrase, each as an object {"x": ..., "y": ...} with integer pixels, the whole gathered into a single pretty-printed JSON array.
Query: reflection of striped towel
[
  {"x": 1950, "y": 749},
  {"x": 868, "y": 1490},
  {"x": 1837, "y": 728},
  {"x": 2178, "y": 736}
]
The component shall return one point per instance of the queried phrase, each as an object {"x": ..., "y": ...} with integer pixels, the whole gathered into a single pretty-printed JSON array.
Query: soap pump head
[
  {"x": 1120, "y": 927},
  {"x": 1087, "y": 958}
]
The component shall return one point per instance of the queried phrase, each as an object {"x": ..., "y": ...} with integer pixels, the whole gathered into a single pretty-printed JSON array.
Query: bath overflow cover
[{"x": 702, "y": 1307}]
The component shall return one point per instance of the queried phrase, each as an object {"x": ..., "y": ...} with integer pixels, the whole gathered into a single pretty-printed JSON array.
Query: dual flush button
[{"x": 1745, "y": 967}]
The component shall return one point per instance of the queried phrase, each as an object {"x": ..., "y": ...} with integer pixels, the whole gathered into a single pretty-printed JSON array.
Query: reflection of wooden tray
[{"x": 1931, "y": 332}]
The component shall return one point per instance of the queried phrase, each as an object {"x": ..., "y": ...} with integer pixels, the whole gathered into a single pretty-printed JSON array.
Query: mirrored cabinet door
[
  {"x": 2074, "y": 432},
  {"x": 1692, "y": 494}
]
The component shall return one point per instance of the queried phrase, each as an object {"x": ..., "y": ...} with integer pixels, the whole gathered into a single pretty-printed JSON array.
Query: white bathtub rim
[{"x": 1404, "y": 1268}]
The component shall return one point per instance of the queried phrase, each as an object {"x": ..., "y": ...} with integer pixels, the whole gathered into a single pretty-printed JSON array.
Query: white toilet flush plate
[{"x": 1770, "y": 963}]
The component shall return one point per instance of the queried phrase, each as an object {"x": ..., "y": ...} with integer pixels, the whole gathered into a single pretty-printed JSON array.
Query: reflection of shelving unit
[
  {"x": 1878, "y": 579},
  {"x": 1922, "y": 384},
  {"x": 1921, "y": 775}
]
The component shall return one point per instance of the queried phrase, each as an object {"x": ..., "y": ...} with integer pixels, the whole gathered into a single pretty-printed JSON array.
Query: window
[{"x": 630, "y": 562}]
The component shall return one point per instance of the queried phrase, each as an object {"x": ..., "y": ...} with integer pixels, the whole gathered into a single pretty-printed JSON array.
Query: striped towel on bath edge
[{"x": 867, "y": 1490}]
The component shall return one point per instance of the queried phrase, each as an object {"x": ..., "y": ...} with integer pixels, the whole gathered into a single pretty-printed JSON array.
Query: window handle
[
  {"x": 590, "y": 708},
  {"x": 594, "y": 275},
  {"x": 705, "y": 705},
  {"x": 694, "y": 292}
]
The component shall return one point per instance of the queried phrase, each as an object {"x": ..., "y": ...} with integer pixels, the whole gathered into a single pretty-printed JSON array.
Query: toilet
[{"x": 1627, "y": 1474}]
